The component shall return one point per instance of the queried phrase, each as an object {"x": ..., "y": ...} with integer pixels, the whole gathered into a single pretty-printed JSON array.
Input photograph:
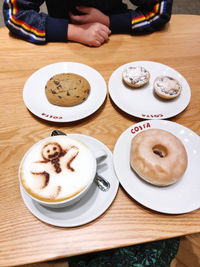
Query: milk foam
[{"x": 65, "y": 175}]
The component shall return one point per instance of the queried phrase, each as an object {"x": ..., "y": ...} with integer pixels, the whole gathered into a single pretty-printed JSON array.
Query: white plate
[
  {"x": 35, "y": 98},
  {"x": 181, "y": 197},
  {"x": 142, "y": 102},
  {"x": 91, "y": 206}
]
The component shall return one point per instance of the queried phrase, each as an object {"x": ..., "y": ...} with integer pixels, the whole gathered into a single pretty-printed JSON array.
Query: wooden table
[{"x": 24, "y": 238}]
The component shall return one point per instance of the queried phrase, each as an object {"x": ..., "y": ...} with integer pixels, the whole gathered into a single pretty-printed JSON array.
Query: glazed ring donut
[
  {"x": 167, "y": 87},
  {"x": 158, "y": 157},
  {"x": 135, "y": 76}
]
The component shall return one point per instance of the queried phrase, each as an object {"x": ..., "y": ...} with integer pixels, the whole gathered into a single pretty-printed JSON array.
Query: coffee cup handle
[{"x": 100, "y": 155}]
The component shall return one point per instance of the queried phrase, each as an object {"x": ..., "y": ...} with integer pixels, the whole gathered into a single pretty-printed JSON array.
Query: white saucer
[
  {"x": 91, "y": 206},
  {"x": 142, "y": 102},
  {"x": 36, "y": 101},
  {"x": 181, "y": 197}
]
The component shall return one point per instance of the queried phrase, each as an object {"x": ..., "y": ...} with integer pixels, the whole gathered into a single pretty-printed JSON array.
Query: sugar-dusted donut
[
  {"x": 167, "y": 87},
  {"x": 135, "y": 76},
  {"x": 158, "y": 157}
]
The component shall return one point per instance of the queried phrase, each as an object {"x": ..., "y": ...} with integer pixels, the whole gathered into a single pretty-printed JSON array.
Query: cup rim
[{"x": 64, "y": 201}]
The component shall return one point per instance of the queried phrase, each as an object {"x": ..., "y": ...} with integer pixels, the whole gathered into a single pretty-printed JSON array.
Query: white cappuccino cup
[{"x": 58, "y": 171}]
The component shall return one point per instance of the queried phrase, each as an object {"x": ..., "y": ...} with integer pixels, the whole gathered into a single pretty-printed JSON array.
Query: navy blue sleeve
[
  {"x": 22, "y": 18},
  {"x": 120, "y": 23},
  {"x": 56, "y": 29},
  {"x": 150, "y": 16}
]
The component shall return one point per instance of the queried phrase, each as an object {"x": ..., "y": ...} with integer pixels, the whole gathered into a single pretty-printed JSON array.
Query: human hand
[
  {"x": 92, "y": 34},
  {"x": 90, "y": 15}
]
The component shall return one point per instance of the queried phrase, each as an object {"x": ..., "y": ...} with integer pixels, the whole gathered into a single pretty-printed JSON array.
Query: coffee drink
[{"x": 57, "y": 168}]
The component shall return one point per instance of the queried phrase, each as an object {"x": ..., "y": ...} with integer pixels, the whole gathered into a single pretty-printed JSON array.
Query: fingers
[
  {"x": 76, "y": 19},
  {"x": 99, "y": 40},
  {"x": 89, "y": 15},
  {"x": 105, "y": 34},
  {"x": 101, "y": 34},
  {"x": 106, "y": 29},
  {"x": 81, "y": 19},
  {"x": 96, "y": 43},
  {"x": 102, "y": 38},
  {"x": 84, "y": 9}
]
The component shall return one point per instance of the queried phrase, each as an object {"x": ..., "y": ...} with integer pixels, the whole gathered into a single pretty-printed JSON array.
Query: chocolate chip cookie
[{"x": 67, "y": 89}]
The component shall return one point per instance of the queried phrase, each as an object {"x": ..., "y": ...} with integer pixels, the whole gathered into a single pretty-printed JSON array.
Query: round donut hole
[{"x": 160, "y": 151}]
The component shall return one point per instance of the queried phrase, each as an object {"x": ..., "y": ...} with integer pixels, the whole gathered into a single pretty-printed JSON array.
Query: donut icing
[
  {"x": 167, "y": 87},
  {"x": 158, "y": 157},
  {"x": 135, "y": 76}
]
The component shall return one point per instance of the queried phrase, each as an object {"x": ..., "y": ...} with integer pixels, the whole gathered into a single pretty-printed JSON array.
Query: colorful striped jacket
[{"x": 23, "y": 18}]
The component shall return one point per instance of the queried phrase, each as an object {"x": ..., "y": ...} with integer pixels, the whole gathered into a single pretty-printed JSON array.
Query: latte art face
[
  {"x": 57, "y": 168},
  {"x": 51, "y": 151}
]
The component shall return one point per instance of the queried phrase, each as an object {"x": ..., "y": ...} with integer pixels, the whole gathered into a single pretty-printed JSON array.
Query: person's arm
[
  {"x": 22, "y": 17},
  {"x": 92, "y": 34},
  {"x": 150, "y": 16},
  {"x": 91, "y": 29}
]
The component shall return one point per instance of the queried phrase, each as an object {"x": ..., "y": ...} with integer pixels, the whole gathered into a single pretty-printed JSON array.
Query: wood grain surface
[{"x": 23, "y": 238}]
